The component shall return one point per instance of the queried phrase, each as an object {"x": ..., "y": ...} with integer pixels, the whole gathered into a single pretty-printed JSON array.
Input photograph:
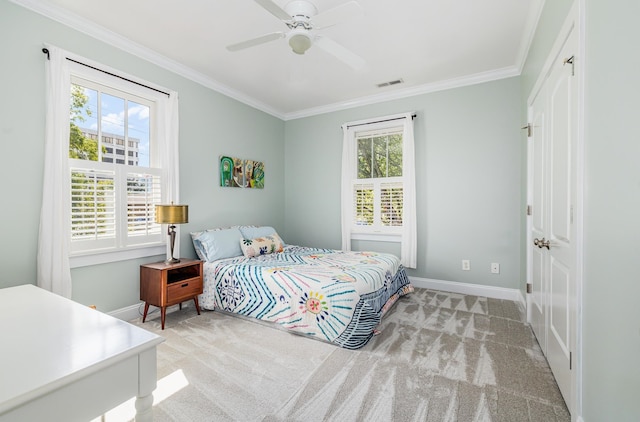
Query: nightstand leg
[
  {"x": 163, "y": 314},
  {"x": 195, "y": 300},
  {"x": 146, "y": 309}
]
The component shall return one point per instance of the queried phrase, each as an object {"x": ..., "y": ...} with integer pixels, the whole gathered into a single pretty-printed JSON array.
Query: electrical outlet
[
  {"x": 495, "y": 268},
  {"x": 466, "y": 264}
]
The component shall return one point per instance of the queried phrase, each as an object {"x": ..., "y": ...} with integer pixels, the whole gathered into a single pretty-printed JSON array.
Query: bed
[{"x": 330, "y": 295}]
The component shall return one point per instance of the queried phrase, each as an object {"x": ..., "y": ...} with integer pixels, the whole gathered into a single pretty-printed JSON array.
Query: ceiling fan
[{"x": 304, "y": 21}]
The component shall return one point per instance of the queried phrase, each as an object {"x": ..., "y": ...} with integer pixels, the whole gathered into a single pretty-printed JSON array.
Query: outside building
[{"x": 116, "y": 148}]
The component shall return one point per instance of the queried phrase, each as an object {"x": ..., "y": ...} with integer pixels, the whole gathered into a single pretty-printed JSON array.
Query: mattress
[{"x": 330, "y": 295}]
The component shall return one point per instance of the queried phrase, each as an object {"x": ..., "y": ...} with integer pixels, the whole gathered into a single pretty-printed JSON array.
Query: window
[
  {"x": 102, "y": 201},
  {"x": 113, "y": 200},
  {"x": 378, "y": 183},
  {"x": 377, "y": 188}
]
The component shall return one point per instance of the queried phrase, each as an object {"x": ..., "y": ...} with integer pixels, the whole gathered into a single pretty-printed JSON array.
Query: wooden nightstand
[{"x": 165, "y": 285}]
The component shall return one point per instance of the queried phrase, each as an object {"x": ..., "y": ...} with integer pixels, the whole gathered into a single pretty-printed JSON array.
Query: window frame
[
  {"x": 122, "y": 247},
  {"x": 377, "y": 231}
]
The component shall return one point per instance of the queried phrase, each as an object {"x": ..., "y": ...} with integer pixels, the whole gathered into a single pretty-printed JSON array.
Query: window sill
[
  {"x": 115, "y": 256},
  {"x": 377, "y": 237}
]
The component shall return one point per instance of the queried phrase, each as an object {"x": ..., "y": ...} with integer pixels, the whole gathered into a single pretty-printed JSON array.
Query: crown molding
[
  {"x": 474, "y": 79},
  {"x": 109, "y": 37}
]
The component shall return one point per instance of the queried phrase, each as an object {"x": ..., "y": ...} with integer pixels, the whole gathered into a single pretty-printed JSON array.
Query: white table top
[{"x": 49, "y": 341}]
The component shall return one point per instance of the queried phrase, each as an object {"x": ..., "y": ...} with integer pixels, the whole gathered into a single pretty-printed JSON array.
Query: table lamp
[{"x": 172, "y": 215}]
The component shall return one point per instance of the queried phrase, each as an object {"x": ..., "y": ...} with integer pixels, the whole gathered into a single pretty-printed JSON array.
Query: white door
[
  {"x": 552, "y": 230},
  {"x": 560, "y": 230},
  {"x": 537, "y": 256}
]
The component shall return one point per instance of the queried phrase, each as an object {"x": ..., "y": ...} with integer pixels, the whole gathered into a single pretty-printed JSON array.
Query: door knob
[{"x": 541, "y": 243}]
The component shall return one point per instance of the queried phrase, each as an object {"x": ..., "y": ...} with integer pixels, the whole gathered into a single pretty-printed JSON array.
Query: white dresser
[{"x": 62, "y": 361}]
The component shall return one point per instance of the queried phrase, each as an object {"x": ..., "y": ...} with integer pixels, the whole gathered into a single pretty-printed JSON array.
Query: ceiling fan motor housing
[{"x": 300, "y": 10}]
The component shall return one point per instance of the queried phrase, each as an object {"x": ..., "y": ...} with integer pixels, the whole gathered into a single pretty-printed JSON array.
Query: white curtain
[
  {"x": 346, "y": 193},
  {"x": 53, "y": 271},
  {"x": 168, "y": 132},
  {"x": 408, "y": 246}
]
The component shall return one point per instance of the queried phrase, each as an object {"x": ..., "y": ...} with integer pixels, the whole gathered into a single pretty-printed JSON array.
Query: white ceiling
[{"x": 430, "y": 44}]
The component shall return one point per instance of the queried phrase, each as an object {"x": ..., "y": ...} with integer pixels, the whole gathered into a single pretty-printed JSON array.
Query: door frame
[{"x": 575, "y": 21}]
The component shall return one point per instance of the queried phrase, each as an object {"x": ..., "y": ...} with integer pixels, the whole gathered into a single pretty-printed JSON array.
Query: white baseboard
[
  {"x": 128, "y": 313},
  {"x": 135, "y": 311},
  {"x": 469, "y": 289}
]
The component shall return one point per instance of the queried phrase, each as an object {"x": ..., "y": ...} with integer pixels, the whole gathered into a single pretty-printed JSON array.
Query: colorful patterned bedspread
[{"x": 335, "y": 296}]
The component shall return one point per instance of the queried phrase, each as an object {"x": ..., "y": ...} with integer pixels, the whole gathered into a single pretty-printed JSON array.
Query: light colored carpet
[{"x": 439, "y": 357}]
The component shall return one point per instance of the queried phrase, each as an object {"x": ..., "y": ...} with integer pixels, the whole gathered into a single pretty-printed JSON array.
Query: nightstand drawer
[{"x": 183, "y": 289}]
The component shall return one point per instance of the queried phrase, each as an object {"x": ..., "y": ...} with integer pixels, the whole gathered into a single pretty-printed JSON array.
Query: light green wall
[
  {"x": 610, "y": 316},
  {"x": 210, "y": 125},
  {"x": 468, "y": 180},
  {"x": 612, "y": 223}
]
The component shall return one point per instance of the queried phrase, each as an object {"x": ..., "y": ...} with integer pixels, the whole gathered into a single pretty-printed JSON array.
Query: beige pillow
[{"x": 261, "y": 245}]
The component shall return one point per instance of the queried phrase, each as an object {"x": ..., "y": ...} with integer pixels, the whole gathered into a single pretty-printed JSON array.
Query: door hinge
[
  {"x": 529, "y": 130},
  {"x": 571, "y": 214},
  {"x": 529, "y": 210},
  {"x": 571, "y": 61},
  {"x": 529, "y": 288},
  {"x": 570, "y": 361}
]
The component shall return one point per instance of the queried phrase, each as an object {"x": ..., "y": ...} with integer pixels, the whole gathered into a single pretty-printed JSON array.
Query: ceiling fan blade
[
  {"x": 336, "y": 15},
  {"x": 256, "y": 41},
  {"x": 274, "y": 9},
  {"x": 340, "y": 52}
]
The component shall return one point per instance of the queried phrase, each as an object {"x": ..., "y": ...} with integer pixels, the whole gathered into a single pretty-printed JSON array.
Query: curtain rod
[
  {"x": 413, "y": 116},
  {"x": 46, "y": 51}
]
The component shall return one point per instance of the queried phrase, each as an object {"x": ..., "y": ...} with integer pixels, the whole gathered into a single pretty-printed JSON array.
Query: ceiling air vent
[{"x": 396, "y": 82}]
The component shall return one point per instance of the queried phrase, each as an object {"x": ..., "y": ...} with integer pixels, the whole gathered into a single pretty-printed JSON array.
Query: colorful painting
[{"x": 239, "y": 173}]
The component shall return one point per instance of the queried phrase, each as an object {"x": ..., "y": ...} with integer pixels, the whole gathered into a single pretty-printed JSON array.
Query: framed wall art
[{"x": 241, "y": 173}]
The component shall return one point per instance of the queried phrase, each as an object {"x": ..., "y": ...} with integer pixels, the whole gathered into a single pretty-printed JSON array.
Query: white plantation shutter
[
  {"x": 144, "y": 192},
  {"x": 391, "y": 199},
  {"x": 93, "y": 208},
  {"x": 378, "y": 204},
  {"x": 363, "y": 206},
  {"x": 97, "y": 208}
]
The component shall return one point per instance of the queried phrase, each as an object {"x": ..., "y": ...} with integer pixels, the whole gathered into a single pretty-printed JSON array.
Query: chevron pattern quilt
[{"x": 330, "y": 295}]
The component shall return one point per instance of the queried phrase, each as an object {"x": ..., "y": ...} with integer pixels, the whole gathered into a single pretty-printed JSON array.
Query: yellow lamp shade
[{"x": 172, "y": 214}]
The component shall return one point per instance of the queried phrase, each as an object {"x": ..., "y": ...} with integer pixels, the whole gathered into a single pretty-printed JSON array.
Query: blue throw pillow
[{"x": 212, "y": 245}]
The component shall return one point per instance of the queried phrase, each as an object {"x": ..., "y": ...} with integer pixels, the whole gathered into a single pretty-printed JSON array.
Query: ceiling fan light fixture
[{"x": 299, "y": 43}]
